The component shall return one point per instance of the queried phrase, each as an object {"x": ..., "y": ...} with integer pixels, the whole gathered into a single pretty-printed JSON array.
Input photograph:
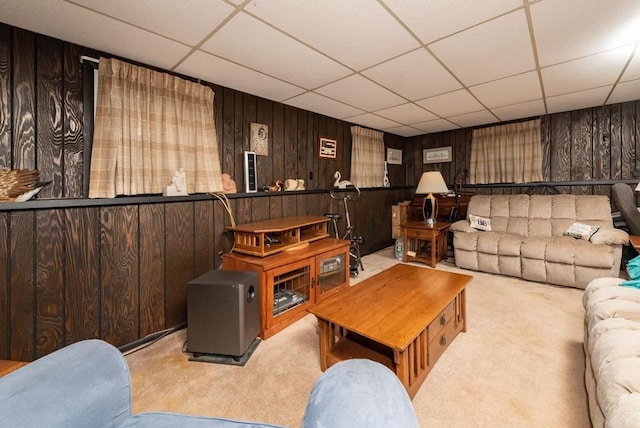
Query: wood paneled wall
[
  {"x": 593, "y": 144},
  {"x": 118, "y": 270}
]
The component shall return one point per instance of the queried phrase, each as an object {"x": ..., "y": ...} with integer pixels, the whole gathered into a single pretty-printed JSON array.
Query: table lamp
[{"x": 431, "y": 182}]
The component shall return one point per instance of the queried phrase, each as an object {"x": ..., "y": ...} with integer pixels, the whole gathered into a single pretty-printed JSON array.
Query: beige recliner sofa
[{"x": 526, "y": 238}]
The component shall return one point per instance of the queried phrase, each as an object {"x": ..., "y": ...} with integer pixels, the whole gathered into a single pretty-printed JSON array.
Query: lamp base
[{"x": 430, "y": 209}]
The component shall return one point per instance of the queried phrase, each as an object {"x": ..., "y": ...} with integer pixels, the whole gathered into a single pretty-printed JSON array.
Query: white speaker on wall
[{"x": 250, "y": 177}]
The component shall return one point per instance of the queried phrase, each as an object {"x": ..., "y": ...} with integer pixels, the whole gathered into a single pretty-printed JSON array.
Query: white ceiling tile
[
  {"x": 414, "y": 76},
  {"x": 404, "y": 131},
  {"x": 361, "y": 93},
  {"x": 425, "y": 17},
  {"x": 320, "y": 104},
  {"x": 510, "y": 90},
  {"x": 81, "y": 26},
  {"x": 171, "y": 18},
  {"x": 345, "y": 30},
  {"x": 453, "y": 103},
  {"x": 569, "y": 29},
  {"x": 496, "y": 49},
  {"x": 371, "y": 120},
  {"x": 252, "y": 43},
  {"x": 437, "y": 125},
  {"x": 519, "y": 111},
  {"x": 476, "y": 118},
  {"x": 407, "y": 114},
  {"x": 633, "y": 70},
  {"x": 578, "y": 100},
  {"x": 585, "y": 73},
  {"x": 224, "y": 73},
  {"x": 625, "y": 91}
]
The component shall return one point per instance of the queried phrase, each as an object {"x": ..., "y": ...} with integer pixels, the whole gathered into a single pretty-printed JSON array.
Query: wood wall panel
[
  {"x": 5, "y": 304},
  {"x": 49, "y": 115},
  {"x": 22, "y": 289},
  {"x": 73, "y": 115},
  {"x": 152, "y": 269},
  {"x": 6, "y": 92},
  {"x": 204, "y": 233},
  {"x": 83, "y": 281},
  {"x": 119, "y": 274},
  {"x": 49, "y": 281},
  {"x": 180, "y": 266},
  {"x": 24, "y": 127}
]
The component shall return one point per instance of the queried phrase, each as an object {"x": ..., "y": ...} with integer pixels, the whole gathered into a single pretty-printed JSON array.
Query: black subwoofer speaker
[{"x": 223, "y": 312}]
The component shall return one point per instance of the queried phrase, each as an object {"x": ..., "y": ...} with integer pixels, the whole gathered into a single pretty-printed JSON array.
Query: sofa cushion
[{"x": 581, "y": 231}]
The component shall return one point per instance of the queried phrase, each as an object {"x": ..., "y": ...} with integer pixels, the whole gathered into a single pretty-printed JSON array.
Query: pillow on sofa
[
  {"x": 581, "y": 231},
  {"x": 479, "y": 223}
]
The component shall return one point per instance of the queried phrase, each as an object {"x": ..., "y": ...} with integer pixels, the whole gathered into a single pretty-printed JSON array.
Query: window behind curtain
[
  {"x": 509, "y": 153},
  {"x": 148, "y": 125},
  {"x": 367, "y": 157}
]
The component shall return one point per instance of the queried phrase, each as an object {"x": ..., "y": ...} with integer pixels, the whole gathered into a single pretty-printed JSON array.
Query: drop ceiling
[{"x": 407, "y": 67}]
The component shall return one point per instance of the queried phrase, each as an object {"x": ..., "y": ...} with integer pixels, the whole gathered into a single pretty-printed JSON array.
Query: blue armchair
[{"x": 87, "y": 384}]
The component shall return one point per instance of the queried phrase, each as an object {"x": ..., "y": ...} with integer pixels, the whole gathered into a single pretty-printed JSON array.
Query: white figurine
[
  {"x": 178, "y": 186},
  {"x": 341, "y": 184}
]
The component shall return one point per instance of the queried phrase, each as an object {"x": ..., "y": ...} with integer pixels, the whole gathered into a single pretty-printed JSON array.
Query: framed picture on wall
[
  {"x": 394, "y": 156},
  {"x": 259, "y": 139},
  {"x": 327, "y": 148},
  {"x": 440, "y": 154}
]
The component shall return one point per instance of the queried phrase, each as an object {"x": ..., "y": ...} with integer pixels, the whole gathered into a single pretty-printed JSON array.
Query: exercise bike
[{"x": 351, "y": 193}]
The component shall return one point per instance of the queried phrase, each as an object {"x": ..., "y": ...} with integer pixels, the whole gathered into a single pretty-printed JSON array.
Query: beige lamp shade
[{"x": 431, "y": 182}]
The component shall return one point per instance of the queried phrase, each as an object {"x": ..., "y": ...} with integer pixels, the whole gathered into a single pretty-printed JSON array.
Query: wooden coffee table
[{"x": 403, "y": 317}]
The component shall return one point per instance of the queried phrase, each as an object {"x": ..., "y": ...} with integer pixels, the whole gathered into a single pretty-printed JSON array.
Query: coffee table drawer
[
  {"x": 443, "y": 318},
  {"x": 439, "y": 342}
]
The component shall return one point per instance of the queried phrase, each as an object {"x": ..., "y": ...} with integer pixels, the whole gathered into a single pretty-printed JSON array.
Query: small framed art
[
  {"x": 440, "y": 154},
  {"x": 327, "y": 148}
]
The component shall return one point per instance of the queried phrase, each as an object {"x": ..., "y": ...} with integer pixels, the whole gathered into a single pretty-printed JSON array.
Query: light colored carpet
[{"x": 520, "y": 364}]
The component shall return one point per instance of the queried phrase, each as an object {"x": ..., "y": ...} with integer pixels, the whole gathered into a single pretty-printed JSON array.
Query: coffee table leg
[{"x": 325, "y": 342}]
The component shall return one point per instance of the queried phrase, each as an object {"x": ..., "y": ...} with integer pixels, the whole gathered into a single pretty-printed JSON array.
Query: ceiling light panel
[
  {"x": 585, "y": 73},
  {"x": 453, "y": 103},
  {"x": 569, "y": 29},
  {"x": 170, "y": 18},
  {"x": 344, "y": 30},
  {"x": 361, "y": 93},
  {"x": 230, "y": 75},
  {"x": 415, "y": 75},
  {"x": 432, "y": 20},
  {"x": 252, "y": 43},
  {"x": 490, "y": 51},
  {"x": 510, "y": 90}
]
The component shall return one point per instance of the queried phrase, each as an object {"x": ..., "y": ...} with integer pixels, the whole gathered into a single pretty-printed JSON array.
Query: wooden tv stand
[{"x": 298, "y": 275}]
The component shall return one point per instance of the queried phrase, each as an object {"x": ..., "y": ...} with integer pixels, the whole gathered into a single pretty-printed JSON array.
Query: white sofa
[
  {"x": 612, "y": 353},
  {"x": 526, "y": 238}
]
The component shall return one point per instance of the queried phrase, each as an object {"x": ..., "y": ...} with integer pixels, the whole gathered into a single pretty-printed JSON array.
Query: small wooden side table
[
  {"x": 635, "y": 241},
  {"x": 424, "y": 243}
]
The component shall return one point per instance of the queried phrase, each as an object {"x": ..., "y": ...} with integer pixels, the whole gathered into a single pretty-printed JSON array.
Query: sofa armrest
[
  {"x": 610, "y": 237},
  {"x": 461, "y": 226},
  {"x": 359, "y": 393},
  {"x": 85, "y": 384}
]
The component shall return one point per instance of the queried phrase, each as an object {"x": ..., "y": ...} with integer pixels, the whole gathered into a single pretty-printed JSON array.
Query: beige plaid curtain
[
  {"x": 367, "y": 157},
  {"x": 506, "y": 154},
  {"x": 147, "y": 126}
]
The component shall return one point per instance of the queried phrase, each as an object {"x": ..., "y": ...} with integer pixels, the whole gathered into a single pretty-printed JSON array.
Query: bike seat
[{"x": 333, "y": 216}]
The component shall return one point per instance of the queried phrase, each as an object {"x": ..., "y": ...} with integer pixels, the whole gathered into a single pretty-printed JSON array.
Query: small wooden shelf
[{"x": 264, "y": 238}]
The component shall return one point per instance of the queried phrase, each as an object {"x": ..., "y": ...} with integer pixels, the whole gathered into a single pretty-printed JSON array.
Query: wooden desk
[
  {"x": 403, "y": 317},
  {"x": 424, "y": 243},
  {"x": 7, "y": 366}
]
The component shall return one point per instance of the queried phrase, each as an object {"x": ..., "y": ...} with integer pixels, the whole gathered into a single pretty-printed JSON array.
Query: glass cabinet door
[{"x": 332, "y": 268}]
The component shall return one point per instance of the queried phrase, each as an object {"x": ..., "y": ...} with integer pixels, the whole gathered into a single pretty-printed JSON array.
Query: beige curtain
[
  {"x": 367, "y": 157},
  {"x": 149, "y": 125},
  {"x": 506, "y": 154}
]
